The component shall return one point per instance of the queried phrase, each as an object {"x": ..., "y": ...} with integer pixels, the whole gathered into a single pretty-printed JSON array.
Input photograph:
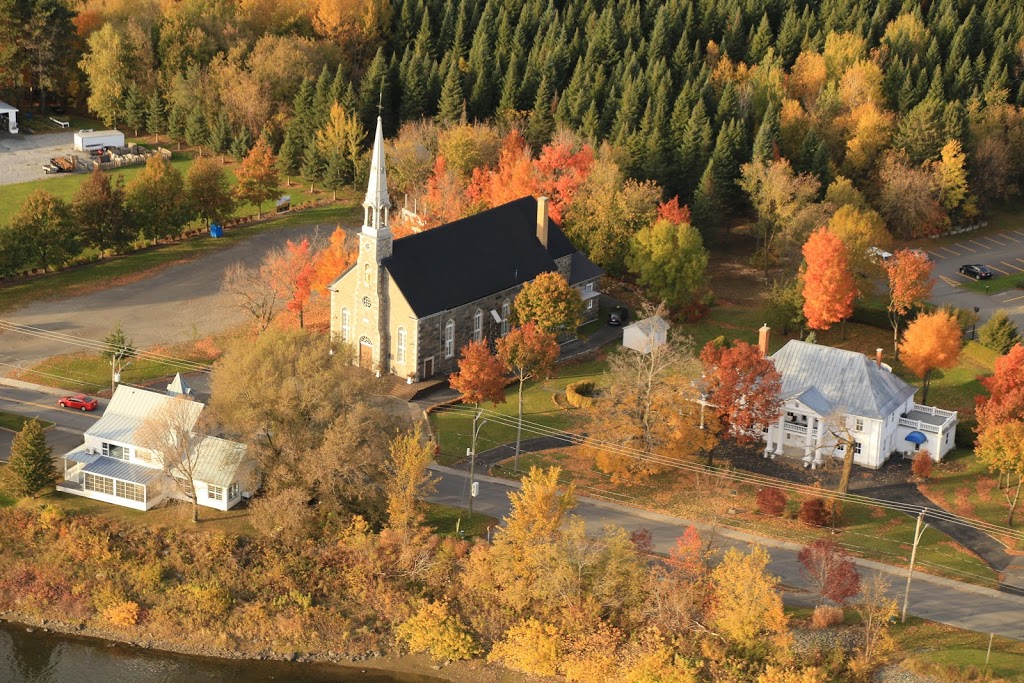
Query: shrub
[
  {"x": 966, "y": 431},
  {"x": 531, "y": 647},
  {"x": 922, "y": 466},
  {"x": 1000, "y": 333},
  {"x": 123, "y": 613},
  {"x": 436, "y": 630},
  {"x": 826, "y": 615},
  {"x": 814, "y": 512},
  {"x": 578, "y": 394},
  {"x": 771, "y": 501}
]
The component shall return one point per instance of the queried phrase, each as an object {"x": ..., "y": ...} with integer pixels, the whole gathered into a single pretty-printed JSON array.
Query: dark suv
[{"x": 619, "y": 315}]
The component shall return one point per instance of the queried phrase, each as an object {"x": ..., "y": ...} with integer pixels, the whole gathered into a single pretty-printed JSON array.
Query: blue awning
[{"x": 917, "y": 437}]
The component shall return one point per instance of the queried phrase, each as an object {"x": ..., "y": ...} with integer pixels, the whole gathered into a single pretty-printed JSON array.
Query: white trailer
[{"x": 88, "y": 140}]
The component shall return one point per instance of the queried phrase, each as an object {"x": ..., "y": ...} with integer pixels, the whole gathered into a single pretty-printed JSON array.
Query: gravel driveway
[{"x": 22, "y": 156}]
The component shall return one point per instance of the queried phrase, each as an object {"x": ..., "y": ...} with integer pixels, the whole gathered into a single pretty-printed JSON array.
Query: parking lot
[
  {"x": 1003, "y": 252},
  {"x": 22, "y": 156}
]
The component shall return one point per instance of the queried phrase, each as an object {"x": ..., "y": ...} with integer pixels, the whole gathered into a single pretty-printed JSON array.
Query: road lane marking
[
  {"x": 950, "y": 282},
  {"x": 1010, "y": 265},
  {"x": 932, "y": 253},
  {"x": 998, "y": 270},
  {"x": 993, "y": 239},
  {"x": 961, "y": 244},
  {"x": 84, "y": 413},
  {"x": 954, "y": 253},
  {"x": 1016, "y": 298}
]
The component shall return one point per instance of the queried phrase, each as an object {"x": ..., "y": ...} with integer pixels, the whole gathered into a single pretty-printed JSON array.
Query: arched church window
[
  {"x": 401, "y": 345},
  {"x": 478, "y": 325},
  {"x": 506, "y": 312},
  {"x": 345, "y": 325},
  {"x": 449, "y": 339}
]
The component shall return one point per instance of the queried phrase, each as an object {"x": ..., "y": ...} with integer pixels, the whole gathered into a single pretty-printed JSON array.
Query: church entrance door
[
  {"x": 428, "y": 367},
  {"x": 366, "y": 353}
]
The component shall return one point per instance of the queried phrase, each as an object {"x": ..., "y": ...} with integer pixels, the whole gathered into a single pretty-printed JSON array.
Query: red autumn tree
[
  {"x": 830, "y": 571},
  {"x": 560, "y": 171},
  {"x": 933, "y": 341},
  {"x": 257, "y": 176},
  {"x": 527, "y": 352},
  {"x": 292, "y": 271},
  {"x": 691, "y": 554},
  {"x": 1006, "y": 387},
  {"x": 445, "y": 197},
  {"x": 743, "y": 386},
  {"x": 481, "y": 376},
  {"x": 828, "y": 286},
  {"x": 673, "y": 213},
  {"x": 332, "y": 260},
  {"x": 910, "y": 284},
  {"x": 771, "y": 501}
]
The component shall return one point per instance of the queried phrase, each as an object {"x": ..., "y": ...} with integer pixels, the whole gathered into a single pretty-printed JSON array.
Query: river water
[{"x": 40, "y": 657}]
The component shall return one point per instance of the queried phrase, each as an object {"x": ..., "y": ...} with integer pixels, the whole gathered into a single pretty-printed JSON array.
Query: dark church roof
[{"x": 453, "y": 264}]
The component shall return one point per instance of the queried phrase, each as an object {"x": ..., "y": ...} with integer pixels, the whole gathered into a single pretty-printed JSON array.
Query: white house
[
  {"x": 11, "y": 114},
  {"x": 831, "y": 395},
  {"x": 645, "y": 335},
  {"x": 111, "y": 466}
]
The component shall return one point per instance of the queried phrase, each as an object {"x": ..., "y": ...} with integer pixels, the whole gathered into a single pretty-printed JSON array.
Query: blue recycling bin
[{"x": 216, "y": 230}]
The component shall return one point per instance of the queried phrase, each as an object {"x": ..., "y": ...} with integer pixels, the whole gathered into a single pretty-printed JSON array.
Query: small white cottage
[
  {"x": 832, "y": 395},
  {"x": 645, "y": 335},
  {"x": 112, "y": 467}
]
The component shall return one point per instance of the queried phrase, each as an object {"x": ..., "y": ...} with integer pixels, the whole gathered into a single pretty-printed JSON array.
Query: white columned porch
[
  {"x": 807, "y": 435},
  {"x": 782, "y": 436}
]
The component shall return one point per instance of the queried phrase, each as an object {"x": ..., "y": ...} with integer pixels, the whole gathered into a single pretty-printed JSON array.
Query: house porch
[{"x": 111, "y": 480}]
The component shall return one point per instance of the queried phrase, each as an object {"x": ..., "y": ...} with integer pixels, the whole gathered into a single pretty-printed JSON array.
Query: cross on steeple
[{"x": 380, "y": 100}]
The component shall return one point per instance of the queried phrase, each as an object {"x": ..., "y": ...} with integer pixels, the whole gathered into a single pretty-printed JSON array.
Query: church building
[{"x": 407, "y": 307}]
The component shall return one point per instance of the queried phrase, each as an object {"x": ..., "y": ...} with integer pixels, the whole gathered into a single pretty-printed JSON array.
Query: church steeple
[{"x": 377, "y": 202}]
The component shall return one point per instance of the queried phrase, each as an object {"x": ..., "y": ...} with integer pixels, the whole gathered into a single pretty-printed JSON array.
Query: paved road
[
  {"x": 938, "y": 599},
  {"x": 41, "y": 402},
  {"x": 1002, "y": 252},
  {"x": 179, "y": 303}
]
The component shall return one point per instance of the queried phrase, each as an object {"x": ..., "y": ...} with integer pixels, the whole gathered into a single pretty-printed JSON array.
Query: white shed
[
  {"x": 86, "y": 140},
  {"x": 645, "y": 335},
  {"x": 12, "y": 116}
]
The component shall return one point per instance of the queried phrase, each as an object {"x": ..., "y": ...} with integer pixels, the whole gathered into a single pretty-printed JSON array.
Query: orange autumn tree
[
  {"x": 743, "y": 387},
  {"x": 933, "y": 341},
  {"x": 828, "y": 286},
  {"x": 333, "y": 260},
  {"x": 1006, "y": 387},
  {"x": 673, "y": 213},
  {"x": 445, "y": 196},
  {"x": 559, "y": 173},
  {"x": 292, "y": 271},
  {"x": 910, "y": 284},
  {"x": 527, "y": 352},
  {"x": 257, "y": 176},
  {"x": 481, "y": 376}
]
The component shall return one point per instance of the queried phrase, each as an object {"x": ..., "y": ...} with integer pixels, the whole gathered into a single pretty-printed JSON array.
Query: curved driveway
[{"x": 179, "y": 303}]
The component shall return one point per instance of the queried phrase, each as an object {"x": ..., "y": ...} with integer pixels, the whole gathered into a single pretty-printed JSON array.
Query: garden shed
[
  {"x": 86, "y": 140},
  {"x": 645, "y": 335}
]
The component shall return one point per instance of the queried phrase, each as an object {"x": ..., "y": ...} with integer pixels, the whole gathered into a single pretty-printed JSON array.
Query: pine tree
[
  {"x": 314, "y": 166},
  {"x": 761, "y": 41},
  {"x": 30, "y": 466},
  {"x": 542, "y": 122},
  {"x": 921, "y": 131},
  {"x": 242, "y": 144},
  {"x": 196, "y": 131},
  {"x": 289, "y": 157},
  {"x": 728, "y": 105},
  {"x": 707, "y": 205},
  {"x": 156, "y": 116},
  {"x": 767, "y": 139},
  {"x": 322, "y": 99},
  {"x": 135, "y": 108},
  {"x": 176, "y": 124},
  {"x": 1000, "y": 333},
  {"x": 302, "y": 124},
  {"x": 449, "y": 109},
  {"x": 374, "y": 89},
  {"x": 220, "y": 136},
  {"x": 415, "y": 89},
  {"x": 728, "y": 156}
]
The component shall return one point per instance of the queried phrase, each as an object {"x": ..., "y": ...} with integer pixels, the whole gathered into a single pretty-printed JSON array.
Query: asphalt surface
[
  {"x": 41, "y": 402},
  {"x": 934, "y": 598},
  {"x": 179, "y": 303},
  {"x": 1003, "y": 252}
]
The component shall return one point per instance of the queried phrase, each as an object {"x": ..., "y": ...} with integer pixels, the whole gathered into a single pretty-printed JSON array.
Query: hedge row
[{"x": 578, "y": 394}]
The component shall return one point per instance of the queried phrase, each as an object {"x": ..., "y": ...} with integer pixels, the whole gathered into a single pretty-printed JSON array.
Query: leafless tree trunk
[
  {"x": 169, "y": 435},
  {"x": 252, "y": 291}
]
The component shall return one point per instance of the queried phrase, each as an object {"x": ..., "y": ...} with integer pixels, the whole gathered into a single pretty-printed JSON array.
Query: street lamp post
[
  {"x": 472, "y": 458},
  {"x": 918, "y": 532},
  {"x": 974, "y": 324}
]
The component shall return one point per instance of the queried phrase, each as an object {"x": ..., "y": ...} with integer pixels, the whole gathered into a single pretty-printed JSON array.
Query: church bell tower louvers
[{"x": 372, "y": 341}]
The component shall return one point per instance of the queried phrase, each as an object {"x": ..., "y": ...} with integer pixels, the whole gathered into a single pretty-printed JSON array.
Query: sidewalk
[{"x": 932, "y": 597}]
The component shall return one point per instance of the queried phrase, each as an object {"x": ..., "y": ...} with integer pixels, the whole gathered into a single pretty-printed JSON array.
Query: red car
[{"x": 80, "y": 401}]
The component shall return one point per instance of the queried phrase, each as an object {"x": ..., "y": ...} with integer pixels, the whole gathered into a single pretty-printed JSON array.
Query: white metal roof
[
  {"x": 218, "y": 461},
  {"x": 650, "y": 325},
  {"x": 7, "y": 108},
  {"x": 89, "y": 134},
  {"x": 119, "y": 469}
]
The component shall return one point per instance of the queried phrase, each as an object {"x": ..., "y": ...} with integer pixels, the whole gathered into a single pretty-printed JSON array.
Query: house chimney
[
  {"x": 542, "y": 221},
  {"x": 763, "y": 336},
  {"x": 878, "y": 357}
]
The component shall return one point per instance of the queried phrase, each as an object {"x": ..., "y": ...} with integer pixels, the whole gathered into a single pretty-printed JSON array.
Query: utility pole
[{"x": 918, "y": 532}]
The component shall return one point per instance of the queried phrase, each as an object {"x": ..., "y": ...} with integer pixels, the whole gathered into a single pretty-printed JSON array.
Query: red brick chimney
[
  {"x": 542, "y": 221},
  {"x": 763, "y": 337},
  {"x": 878, "y": 357}
]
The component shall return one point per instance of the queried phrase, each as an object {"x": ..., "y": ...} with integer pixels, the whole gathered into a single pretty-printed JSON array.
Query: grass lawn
[
  {"x": 444, "y": 520},
  {"x": 453, "y": 430},
  {"x": 132, "y": 267},
  {"x": 15, "y": 422},
  {"x": 997, "y": 285},
  {"x": 927, "y": 644}
]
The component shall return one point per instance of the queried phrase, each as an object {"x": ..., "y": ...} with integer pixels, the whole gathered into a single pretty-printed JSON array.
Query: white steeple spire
[{"x": 377, "y": 202}]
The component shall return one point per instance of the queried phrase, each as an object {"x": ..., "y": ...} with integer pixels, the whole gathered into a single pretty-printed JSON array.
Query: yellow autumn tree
[
  {"x": 780, "y": 674},
  {"x": 436, "y": 630},
  {"x": 842, "y": 50},
  {"x": 861, "y": 84},
  {"x": 806, "y": 78},
  {"x": 860, "y": 230},
  {"x": 951, "y": 178},
  {"x": 870, "y": 132},
  {"x": 530, "y": 646},
  {"x": 747, "y": 606},
  {"x": 932, "y": 342}
]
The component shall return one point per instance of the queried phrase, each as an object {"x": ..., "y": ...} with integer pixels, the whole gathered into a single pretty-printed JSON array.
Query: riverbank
[{"x": 407, "y": 668}]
